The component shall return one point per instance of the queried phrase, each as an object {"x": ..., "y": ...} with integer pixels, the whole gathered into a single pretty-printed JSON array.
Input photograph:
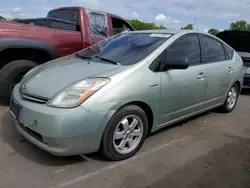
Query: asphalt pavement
[{"x": 211, "y": 150}]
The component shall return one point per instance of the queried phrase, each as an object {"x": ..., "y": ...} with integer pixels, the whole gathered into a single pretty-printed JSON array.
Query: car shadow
[
  {"x": 180, "y": 123},
  {"x": 245, "y": 92},
  {"x": 3, "y": 103},
  {"x": 24, "y": 148}
]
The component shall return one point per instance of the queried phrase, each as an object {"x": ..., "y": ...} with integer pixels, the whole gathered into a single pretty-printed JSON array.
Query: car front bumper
[{"x": 61, "y": 132}]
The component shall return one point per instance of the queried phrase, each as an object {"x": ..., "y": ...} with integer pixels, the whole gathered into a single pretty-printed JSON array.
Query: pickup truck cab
[{"x": 27, "y": 43}]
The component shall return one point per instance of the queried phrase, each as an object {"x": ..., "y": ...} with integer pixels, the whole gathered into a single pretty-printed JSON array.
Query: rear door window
[
  {"x": 98, "y": 24},
  {"x": 214, "y": 51}
]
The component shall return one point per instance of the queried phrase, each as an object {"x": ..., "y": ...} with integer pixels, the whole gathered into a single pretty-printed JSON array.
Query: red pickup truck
[{"x": 30, "y": 42}]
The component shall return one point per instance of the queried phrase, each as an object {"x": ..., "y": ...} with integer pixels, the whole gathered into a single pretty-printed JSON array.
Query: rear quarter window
[{"x": 229, "y": 51}]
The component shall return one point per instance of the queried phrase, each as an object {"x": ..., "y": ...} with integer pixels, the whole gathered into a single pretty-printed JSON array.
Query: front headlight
[{"x": 77, "y": 93}]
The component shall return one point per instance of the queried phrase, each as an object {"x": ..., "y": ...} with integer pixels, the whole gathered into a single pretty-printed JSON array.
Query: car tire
[
  {"x": 11, "y": 72},
  {"x": 121, "y": 119},
  {"x": 231, "y": 99}
]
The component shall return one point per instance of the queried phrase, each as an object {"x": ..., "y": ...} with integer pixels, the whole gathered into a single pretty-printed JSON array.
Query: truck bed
[
  {"x": 65, "y": 41},
  {"x": 50, "y": 23}
]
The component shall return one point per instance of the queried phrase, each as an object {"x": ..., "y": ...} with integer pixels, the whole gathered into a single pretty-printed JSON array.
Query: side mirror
[{"x": 176, "y": 63}]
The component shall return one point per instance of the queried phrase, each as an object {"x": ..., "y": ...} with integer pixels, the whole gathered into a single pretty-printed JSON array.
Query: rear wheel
[
  {"x": 11, "y": 74},
  {"x": 231, "y": 99},
  {"x": 125, "y": 133}
]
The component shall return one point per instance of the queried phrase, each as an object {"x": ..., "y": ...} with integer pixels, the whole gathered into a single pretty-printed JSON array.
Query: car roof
[{"x": 167, "y": 31}]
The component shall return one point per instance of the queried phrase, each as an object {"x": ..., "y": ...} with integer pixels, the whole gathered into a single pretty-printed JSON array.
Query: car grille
[{"x": 32, "y": 98}]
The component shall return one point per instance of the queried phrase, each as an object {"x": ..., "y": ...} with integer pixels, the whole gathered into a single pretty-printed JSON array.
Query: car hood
[
  {"x": 50, "y": 78},
  {"x": 238, "y": 40}
]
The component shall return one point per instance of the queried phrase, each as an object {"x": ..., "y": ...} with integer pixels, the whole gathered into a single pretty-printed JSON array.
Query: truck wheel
[{"x": 11, "y": 74}]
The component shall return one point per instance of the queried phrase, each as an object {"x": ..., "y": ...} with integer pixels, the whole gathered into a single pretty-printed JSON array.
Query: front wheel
[
  {"x": 125, "y": 133},
  {"x": 231, "y": 99}
]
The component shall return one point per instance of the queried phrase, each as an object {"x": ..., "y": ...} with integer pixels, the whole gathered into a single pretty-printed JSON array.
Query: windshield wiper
[
  {"x": 108, "y": 60},
  {"x": 83, "y": 57}
]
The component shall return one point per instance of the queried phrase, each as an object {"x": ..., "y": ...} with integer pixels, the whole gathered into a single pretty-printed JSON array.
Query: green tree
[
  {"x": 139, "y": 25},
  {"x": 240, "y": 25},
  {"x": 161, "y": 27},
  {"x": 188, "y": 26},
  {"x": 2, "y": 18},
  {"x": 213, "y": 31}
]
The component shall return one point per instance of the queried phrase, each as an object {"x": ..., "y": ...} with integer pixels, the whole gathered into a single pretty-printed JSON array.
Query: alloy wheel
[
  {"x": 128, "y": 134},
  {"x": 232, "y": 97}
]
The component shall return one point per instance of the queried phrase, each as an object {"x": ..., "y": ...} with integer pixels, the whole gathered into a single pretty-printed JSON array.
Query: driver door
[{"x": 183, "y": 91}]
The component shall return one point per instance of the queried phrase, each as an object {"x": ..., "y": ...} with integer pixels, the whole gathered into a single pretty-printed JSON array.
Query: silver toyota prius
[{"x": 109, "y": 96}]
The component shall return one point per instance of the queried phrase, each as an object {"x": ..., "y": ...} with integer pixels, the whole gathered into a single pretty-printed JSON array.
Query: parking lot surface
[{"x": 211, "y": 150}]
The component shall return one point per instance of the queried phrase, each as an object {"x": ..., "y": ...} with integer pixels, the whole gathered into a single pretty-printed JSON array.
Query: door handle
[
  {"x": 201, "y": 76},
  {"x": 230, "y": 69}
]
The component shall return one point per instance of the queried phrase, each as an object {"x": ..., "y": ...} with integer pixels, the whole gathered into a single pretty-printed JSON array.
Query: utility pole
[{"x": 194, "y": 21}]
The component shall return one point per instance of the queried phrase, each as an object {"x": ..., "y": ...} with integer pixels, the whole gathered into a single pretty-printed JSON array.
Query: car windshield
[{"x": 124, "y": 49}]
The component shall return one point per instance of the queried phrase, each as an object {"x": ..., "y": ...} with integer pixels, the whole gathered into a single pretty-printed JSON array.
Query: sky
[{"x": 173, "y": 14}]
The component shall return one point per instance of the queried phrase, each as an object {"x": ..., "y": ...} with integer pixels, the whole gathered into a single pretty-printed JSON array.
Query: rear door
[{"x": 219, "y": 70}]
